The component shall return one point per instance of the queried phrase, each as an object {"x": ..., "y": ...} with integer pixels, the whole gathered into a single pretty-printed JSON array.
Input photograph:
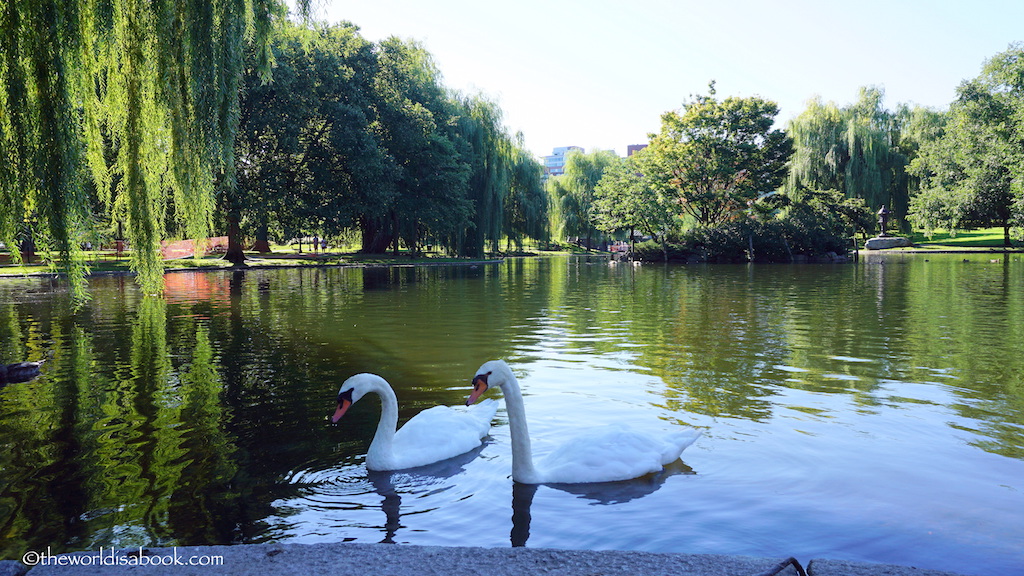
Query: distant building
[
  {"x": 634, "y": 148},
  {"x": 554, "y": 165}
]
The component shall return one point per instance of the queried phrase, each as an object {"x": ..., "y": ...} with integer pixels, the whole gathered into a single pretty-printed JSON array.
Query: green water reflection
[{"x": 181, "y": 420}]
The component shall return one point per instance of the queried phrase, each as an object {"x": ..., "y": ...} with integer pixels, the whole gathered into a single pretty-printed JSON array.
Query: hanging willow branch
[
  {"x": 138, "y": 96},
  {"x": 39, "y": 138}
]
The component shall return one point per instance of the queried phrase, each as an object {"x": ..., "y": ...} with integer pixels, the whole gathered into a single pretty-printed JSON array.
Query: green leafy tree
[
  {"x": 919, "y": 127},
  {"x": 526, "y": 205},
  {"x": 971, "y": 176},
  {"x": 491, "y": 158},
  {"x": 630, "y": 197},
  {"x": 718, "y": 155},
  {"x": 309, "y": 159},
  {"x": 418, "y": 126}
]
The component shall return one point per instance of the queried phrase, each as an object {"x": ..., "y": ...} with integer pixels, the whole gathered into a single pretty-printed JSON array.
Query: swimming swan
[
  {"x": 433, "y": 435},
  {"x": 604, "y": 454}
]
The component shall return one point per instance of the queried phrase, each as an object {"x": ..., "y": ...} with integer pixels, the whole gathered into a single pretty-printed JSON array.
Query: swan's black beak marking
[
  {"x": 344, "y": 401},
  {"x": 479, "y": 387}
]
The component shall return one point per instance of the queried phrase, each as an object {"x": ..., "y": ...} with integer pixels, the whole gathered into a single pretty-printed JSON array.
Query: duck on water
[{"x": 19, "y": 372}]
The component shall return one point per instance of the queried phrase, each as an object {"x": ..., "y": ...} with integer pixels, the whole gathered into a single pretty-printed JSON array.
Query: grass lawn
[{"x": 980, "y": 238}]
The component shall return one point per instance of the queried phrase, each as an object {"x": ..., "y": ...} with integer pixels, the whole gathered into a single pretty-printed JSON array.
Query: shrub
[{"x": 803, "y": 230}]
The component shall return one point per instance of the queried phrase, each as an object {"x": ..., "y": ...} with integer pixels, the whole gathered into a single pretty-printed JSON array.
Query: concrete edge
[{"x": 345, "y": 559}]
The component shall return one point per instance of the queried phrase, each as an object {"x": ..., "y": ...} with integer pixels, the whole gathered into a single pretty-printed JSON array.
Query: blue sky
[{"x": 599, "y": 73}]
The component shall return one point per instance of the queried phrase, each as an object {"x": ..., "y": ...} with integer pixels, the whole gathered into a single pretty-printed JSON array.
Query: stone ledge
[
  {"x": 355, "y": 559},
  {"x": 883, "y": 242}
]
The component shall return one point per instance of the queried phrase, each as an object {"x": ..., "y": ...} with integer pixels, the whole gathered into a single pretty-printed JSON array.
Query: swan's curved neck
[
  {"x": 522, "y": 453},
  {"x": 382, "y": 446}
]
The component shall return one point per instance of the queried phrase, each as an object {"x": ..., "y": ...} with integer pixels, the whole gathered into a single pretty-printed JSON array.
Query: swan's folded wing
[
  {"x": 603, "y": 454},
  {"x": 436, "y": 434}
]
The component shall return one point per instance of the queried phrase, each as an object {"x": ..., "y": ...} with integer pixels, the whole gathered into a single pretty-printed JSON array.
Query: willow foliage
[
  {"x": 491, "y": 159},
  {"x": 40, "y": 151},
  {"x": 526, "y": 204},
  {"x": 137, "y": 97},
  {"x": 856, "y": 149},
  {"x": 819, "y": 152},
  {"x": 573, "y": 194}
]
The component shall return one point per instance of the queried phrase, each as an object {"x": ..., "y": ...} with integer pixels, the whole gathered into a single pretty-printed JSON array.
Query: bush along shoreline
[{"x": 800, "y": 236}]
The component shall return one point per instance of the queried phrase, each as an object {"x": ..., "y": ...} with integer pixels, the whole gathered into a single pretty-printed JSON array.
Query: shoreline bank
[{"x": 305, "y": 264}]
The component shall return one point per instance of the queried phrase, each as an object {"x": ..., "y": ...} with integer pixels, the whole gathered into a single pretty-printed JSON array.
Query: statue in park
[
  {"x": 884, "y": 240},
  {"x": 883, "y": 220}
]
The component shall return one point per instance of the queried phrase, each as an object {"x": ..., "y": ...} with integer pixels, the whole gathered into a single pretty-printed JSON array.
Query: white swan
[
  {"x": 433, "y": 435},
  {"x": 604, "y": 454}
]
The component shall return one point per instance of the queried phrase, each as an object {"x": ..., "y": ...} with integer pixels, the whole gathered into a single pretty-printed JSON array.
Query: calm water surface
[{"x": 870, "y": 411}]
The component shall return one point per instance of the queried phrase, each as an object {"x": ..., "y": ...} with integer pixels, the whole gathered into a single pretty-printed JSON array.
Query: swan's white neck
[
  {"x": 522, "y": 454},
  {"x": 381, "y": 451}
]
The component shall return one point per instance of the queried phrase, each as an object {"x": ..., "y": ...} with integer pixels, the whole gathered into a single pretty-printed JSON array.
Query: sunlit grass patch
[{"x": 979, "y": 238}]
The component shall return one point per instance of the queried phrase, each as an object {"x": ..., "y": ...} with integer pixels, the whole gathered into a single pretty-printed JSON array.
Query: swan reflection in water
[
  {"x": 391, "y": 485},
  {"x": 432, "y": 476},
  {"x": 391, "y": 505},
  {"x": 600, "y": 493}
]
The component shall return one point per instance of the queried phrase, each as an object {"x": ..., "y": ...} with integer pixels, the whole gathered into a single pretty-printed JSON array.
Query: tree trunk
[
  {"x": 262, "y": 244},
  {"x": 28, "y": 251},
  {"x": 394, "y": 227},
  {"x": 235, "y": 253},
  {"x": 375, "y": 240}
]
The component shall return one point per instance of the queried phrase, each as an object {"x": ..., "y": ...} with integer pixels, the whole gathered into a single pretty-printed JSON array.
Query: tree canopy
[
  {"x": 631, "y": 197},
  {"x": 356, "y": 135},
  {"x": 123, "y": 112},
  {"x": 308, "y": 157},
  {"x": 718, "y": 155},
  {"x": 972, "y": 173}
]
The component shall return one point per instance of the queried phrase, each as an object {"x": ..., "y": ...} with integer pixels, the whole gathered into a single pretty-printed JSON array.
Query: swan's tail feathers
[
  {"x": 677, "y": 442},
  {"x": 485, "y": 410},
  {"x": 482, "y": 413}
]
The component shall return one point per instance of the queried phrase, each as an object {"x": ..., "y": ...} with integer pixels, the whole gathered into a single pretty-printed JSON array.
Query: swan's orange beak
[
  {"x": 479, "y": 387},
  {"x": 342, "y": 408},
  {"x": 344, "y": 401}
]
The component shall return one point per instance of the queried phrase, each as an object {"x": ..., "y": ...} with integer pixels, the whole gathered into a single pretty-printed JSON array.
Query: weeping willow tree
[
  {"x": 573, "y": 194},
  {"x": 40, "y": 148},
  {"x": 526, "y": 204},
  {"x": 135, "y": 99},
  {"x": 855, "y": 149},
  {"x": 491, "y": 160},
  {"x": 819, "y": 153}
]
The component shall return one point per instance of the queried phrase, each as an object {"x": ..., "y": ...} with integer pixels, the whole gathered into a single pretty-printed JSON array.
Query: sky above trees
[{"x": 599, "y": 73}]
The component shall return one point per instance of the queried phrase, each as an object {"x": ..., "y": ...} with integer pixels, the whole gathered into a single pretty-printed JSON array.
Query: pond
[{"x": 869, "y": 411}]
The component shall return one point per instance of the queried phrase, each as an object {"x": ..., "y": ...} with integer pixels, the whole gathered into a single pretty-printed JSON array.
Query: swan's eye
[
  {"x": 480, "y": 379},
  {"x": 345, "y": 395}
]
